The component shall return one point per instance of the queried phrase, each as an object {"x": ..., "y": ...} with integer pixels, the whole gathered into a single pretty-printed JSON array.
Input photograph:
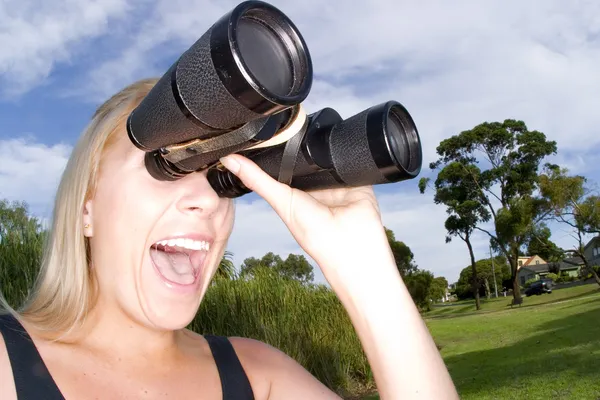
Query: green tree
[
  {"x": 403, "y": 256},
  {"x": 438, "y": 288},
  {"x": 226, "y": 269},
  {"x": 574, "y": 205},
  {"x": 485, "y": 276},
  {"x": 21, "y": 248},
  {"x": 293, "y": 267},
  {"x": 297, "y": 267},
  {"x": 419, "y": 284},
  {"x": 458, "y": 191},
  {"x": 511, "y": 154},
  {"x": 539, "y": 243}
]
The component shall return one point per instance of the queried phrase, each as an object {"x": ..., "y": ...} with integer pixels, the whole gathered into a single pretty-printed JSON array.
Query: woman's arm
[
  {"x": 341, "y": 230},
  {"x": 405, "y": 361}
]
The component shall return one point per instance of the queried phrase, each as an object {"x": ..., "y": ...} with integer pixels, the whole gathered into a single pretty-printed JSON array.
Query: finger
[{"x": 277, "y": 194}]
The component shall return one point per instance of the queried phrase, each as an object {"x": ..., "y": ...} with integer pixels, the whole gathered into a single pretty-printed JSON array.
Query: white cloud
[
  {"x": 30, "y": 171},
  {"x": 36, "y": 35},
  {"x": 452, "y": 64}
]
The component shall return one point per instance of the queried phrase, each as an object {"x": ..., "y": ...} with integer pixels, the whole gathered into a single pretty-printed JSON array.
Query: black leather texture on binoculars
[
  {"x": 191, "y": 90},
  {"x": 349, "y": 149}
]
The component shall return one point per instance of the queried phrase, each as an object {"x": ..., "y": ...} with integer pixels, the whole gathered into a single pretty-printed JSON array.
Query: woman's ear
[{"x": 87, "y": 219}]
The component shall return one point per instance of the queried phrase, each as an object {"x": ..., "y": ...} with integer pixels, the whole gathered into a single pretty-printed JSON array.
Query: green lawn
[
  {"x": 547, "y": 349},
  {"x": 503, "y": 303}
]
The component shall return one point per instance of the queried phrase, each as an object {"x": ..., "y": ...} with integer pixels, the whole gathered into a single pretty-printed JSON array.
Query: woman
[{"x": 108, "y": 315}]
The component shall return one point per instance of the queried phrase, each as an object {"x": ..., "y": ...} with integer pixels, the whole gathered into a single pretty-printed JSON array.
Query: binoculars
[{"x": 239, "y": 89}]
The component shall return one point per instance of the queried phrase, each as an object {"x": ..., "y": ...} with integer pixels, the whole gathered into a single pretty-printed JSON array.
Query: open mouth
[{"x": 179, "y": 261}]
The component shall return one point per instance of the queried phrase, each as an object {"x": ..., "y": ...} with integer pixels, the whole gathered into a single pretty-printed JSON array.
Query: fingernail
[{"x": 230, "y": 164}]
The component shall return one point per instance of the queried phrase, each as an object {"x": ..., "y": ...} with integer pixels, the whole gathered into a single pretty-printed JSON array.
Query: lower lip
[{"x": 178, "y": 287}]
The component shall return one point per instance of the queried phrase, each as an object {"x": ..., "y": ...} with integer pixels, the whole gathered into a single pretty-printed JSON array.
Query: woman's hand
[{"x": 340, "y": 229}]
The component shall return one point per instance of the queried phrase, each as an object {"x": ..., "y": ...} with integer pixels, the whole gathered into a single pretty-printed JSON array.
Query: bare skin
[{"x": 135, "y": 344}]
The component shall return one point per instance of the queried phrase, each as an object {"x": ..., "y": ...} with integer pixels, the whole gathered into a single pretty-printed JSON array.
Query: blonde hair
[{"x": 64, "y": 291}]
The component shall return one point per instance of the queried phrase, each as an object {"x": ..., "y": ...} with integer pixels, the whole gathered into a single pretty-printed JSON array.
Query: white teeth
[{"x": 186, "y": 243}]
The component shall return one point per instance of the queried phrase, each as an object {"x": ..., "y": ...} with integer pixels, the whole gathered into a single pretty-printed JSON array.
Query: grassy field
[
  {"x": 549, "y": 348},
  {"x": 503, "y": 303}
]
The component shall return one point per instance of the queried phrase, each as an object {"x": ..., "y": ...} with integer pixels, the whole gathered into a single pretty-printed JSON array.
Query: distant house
[
  {"x": 535, "y": 271},
  {"x": 525, "y": 261},
  {"x": 591, "y": 251},
  {"x": 570, "y": 266},
  {"x": 534, "y": 267}
]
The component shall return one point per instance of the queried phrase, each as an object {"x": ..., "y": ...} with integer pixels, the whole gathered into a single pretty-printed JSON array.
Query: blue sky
[{"x": 452, "y": 64}]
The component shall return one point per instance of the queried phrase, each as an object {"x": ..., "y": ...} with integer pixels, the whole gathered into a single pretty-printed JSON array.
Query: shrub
[
  {"x": 529, "y": 282},
  {"x": 305, "y": 321}
]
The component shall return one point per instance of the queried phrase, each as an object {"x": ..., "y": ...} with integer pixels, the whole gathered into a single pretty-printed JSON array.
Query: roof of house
[
  {"x": 574, "y": 261},
  {"x": 529, "y": 260},
  {"x": 592, "y": 240},
  {"x": 538, "y": 267},
  {"x": 562, "y": 266}
]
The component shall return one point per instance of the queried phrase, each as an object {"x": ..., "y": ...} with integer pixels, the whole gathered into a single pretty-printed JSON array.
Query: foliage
[
  {"x": 552, "y": 276},
  {"x": 226, "y": 269},
  {"x": 529, "y": 282},
  {"x": 21, "y": 248},
  {"x": 455, "y": 188},
  {"x": 419, "y": 284},
  {"x": 539, "y": 243},
  {"x": 574, "y": 205},
  {"x": 485, "y": 276},
  {"x": 403, "y": 256},
  {"x": 306, "y": 321},
  {"x": 512, "y": 155},
  {"x": 293, "y": 267},
  {"x": 438, "y": 288}
]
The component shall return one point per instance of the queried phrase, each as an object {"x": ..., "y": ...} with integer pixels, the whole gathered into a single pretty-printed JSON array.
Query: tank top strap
[
  {"x": 234, "y": 381},
  {"x": 31, "y": 376}
]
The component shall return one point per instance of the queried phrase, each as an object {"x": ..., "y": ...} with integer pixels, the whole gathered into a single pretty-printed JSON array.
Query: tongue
[{"x": 174, "y": 266}]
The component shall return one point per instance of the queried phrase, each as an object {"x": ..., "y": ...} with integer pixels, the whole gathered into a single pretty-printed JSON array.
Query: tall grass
[
  {"x": 19, "y": 265},
  {"x": 305, "y": 321}
]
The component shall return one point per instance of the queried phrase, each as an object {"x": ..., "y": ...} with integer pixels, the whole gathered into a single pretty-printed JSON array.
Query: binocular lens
[
  {"x": 403, "y": 139},
  {"x": 251, "y": 64},
  {"x": 266, "y": 56}
]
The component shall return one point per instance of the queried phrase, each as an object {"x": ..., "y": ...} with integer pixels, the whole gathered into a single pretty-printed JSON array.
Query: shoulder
[
  {"x": 7, "y": 391},
  {"x": 285, "y": 377},
  {"x": 272, "y": 373}
]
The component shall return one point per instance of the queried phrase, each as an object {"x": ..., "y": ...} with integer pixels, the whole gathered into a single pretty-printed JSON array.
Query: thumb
[{"x": 277, "y": 194}]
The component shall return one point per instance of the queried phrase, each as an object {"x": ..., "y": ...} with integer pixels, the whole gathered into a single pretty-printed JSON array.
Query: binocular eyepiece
[{"x": 239, "y": 89}]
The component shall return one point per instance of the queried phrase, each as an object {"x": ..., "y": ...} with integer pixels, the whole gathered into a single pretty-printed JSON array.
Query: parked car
[{"x": 539, "y": 287}]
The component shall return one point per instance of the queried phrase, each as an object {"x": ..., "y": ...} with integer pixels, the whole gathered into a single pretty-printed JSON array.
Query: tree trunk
[
  {"x": 596, "y": 277},
  {"x": 588, "y": 267},
  {"x": 515, "y": 281},
  {"x": 475, "y": 281},
  {"x": 487, "y": 289}
]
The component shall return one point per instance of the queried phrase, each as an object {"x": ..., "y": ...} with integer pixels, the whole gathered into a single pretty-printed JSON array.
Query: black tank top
[{"x": 34, "y": 382}]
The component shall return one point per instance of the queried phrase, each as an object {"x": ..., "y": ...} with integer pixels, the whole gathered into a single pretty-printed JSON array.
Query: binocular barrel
[
  {"x": 252, "y": 63},
  {"x": 376, "y": 146},
  {"x": 242, "y": 84}
]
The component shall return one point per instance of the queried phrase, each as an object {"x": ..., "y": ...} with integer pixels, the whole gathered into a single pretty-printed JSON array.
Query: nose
[{"x": 197, "y": 195}]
